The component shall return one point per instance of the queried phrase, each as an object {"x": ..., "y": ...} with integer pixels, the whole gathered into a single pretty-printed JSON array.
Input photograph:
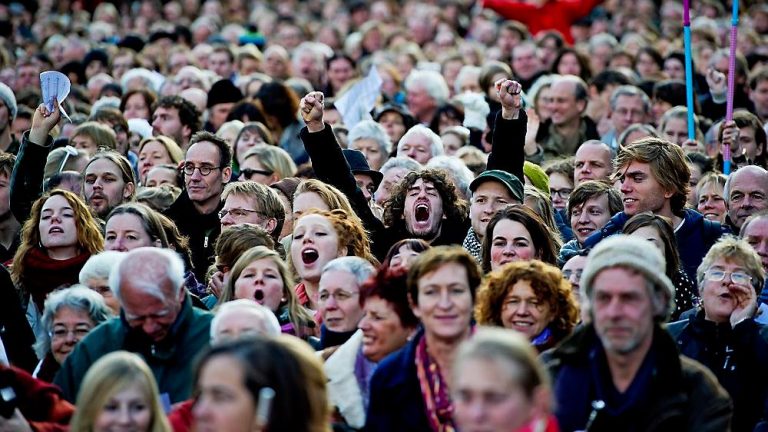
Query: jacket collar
[{"x": 137, "y": 341}]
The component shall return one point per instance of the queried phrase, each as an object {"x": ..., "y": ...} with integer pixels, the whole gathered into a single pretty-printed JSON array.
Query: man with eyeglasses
[
  {"x": 339, "y": 299},
  {"x": 206, "y": 170},
  {"x": 723, "y": 333},
  {"x": 157, "y": 322},
  {"x": 253, "y": 203},
  {"x": 629, "y": 105}
]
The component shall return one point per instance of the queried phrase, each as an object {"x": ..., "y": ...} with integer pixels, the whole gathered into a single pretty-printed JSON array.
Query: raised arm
[
  {"x": 27, "y": 176},
  {"x": 508, "y": 150},
  {"x": 329, "y": 163}
]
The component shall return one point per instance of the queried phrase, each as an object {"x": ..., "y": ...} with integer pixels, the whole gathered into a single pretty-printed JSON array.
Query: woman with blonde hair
[
  {"x": 157, "y": 150},
  {"x": 262, "y": 276},
  {"x": 56, "y": 240},
  {"x": 319, "y": 195},
  {"x": 119, "y": 388},
  {"x": 318, "y": 238},
  {"x": 266, "y": 164}
]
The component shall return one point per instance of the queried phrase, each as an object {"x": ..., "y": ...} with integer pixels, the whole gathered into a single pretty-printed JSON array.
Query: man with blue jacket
[{"x": 654, "y": 178}]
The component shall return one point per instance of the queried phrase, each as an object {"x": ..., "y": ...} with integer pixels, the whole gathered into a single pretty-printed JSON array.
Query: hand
[
  {"x": 731, "y": 134},
  {"x": 692, "y": 146},
  {"x": 43, "y": 121},
  {"x": 718, "y": 85},
  {"x": 509, "y": 93},
  {"x": 531, "y": 147},
  {"x": 311, "y": 108},
  {"x": 746, "y": 302},
  {"x": 17, "y": 423},
  {"x": 216, "y": 284}
]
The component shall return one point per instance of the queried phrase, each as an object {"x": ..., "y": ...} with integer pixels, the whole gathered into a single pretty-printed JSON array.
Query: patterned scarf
[
  {"x": 473, "y": 245},
  {"x": 434, "y": 391}
]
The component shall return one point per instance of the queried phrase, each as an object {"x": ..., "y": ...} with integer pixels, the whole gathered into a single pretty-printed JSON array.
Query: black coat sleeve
[
  {"x": 15, "y": 332},
  {"x": 508, "y": 150},
  {"x": 27, "y": 176},
  {"x": 331, "y": 167}
]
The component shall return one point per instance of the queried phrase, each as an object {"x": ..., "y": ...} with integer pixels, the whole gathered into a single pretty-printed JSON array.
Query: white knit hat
[
  {"x": 633, "y": 252},
  {"x": 9, "y": 99}
]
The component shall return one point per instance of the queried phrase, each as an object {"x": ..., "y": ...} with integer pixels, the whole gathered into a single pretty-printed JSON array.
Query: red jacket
[
  {"x": 181, "y": 417},
  {"x": 553, "y": 15},
  {"x": 39, "y": 402}
]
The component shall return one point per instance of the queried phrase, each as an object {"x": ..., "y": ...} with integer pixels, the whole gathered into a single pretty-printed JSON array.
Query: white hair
[
  {"x": 466, "y": 71},
  {"x": 77, "y": 298},
  {"x": 100, "y": 265},
  {"x": 264, "y": 318},
  {"x": 358, "y": 267},
  {"x": 369, "y": 129},
  {"x": 457, "y": 171},
  {"x": 436, "y": 144},
  {"x": 400, "y": 162},
  {"x": 150, "y": 79},
  {"x": 431, "y": 81},
  {"x": 106, "y": 102},
  {"x": 148, "y": 268},
  {"x": 319, "y": 51}
]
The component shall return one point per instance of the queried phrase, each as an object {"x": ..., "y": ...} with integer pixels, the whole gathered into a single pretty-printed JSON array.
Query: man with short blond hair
[{"x": 654, "y": 176}]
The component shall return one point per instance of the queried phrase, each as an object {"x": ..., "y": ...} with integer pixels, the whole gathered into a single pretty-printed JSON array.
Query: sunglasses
[{"x": 249, "y": 173}]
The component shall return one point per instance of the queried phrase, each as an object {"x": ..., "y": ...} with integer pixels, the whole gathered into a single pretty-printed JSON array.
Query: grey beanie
[
  {"x": 6, "y": 94},
  {"x": 632, "y": 252}
]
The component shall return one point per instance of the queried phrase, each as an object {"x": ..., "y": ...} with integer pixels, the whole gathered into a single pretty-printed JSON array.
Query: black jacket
[
  {"x": 737, "y": 356},
  {"x": 680, "y": 394},
  {"x": 27, "y": 177},
  {"x": 396, "y": 403},
  {"x": 202, "y": 230},
  {"x": 15, "y": 333}
]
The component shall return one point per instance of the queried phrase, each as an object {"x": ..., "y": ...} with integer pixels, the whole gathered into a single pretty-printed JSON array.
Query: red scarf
[
  {"x": 434, "y": 390},
  {"x": 303, "y": 297},
  {"x": 43, "y": 274}
]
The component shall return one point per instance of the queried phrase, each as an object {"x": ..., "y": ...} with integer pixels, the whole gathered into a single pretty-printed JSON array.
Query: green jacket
[{"x": 170, "y": 360}]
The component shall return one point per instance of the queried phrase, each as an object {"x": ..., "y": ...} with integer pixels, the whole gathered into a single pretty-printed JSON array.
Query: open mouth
[
  {"x": 55, "y": 230},
  {"x": 258, "y": 295},
  {"x": 309, "y": 256},
  {"x": 422, "y": 213},
  {"x": 585, "y": 231},
  {"x": 726, "y": 296}
]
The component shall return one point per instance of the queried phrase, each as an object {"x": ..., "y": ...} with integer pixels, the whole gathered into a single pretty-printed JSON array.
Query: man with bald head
[
  {"x": 568, "y": 127},
  {"x": 157, "y": 321},
  {"x": 593, "y": 162},
  {"x": 746, "y": 193}
]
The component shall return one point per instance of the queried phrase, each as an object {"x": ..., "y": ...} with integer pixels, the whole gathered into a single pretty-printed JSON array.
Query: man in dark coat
[
  {"x": 622, "y": 371},
  {"x": 157, "y": 321},
  {"x": 196, "y": 212}
]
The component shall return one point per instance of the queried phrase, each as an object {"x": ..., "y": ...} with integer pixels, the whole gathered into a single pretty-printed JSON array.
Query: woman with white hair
[
  {"x": 722, "y": 333},
  {"x": 372, "y": 140},
  {"x": 69, "y": 315},
  {"x": 338, "y": 299},
  {"x": 95, "y": 275},
  {"x": 420, "y": 144}
]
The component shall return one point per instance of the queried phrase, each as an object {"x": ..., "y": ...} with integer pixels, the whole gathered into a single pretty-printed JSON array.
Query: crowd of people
[{"x": 380, "y": 215}]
